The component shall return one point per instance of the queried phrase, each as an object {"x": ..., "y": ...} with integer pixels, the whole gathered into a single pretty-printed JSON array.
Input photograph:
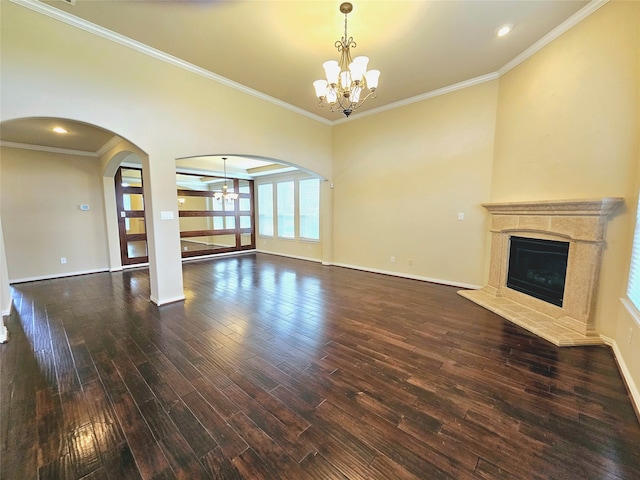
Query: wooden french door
[{"x": 131, "y": 224}]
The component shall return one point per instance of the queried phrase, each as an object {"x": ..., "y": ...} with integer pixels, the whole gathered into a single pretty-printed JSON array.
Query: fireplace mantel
[
  {"x": 582, "y": 223},
  {"x": 600, "y": 207}
]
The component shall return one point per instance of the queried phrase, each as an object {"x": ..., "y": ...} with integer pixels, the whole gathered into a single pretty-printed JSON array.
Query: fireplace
[
  {"x": 538, "y": 268},
  {"x": 570, "y": 236}
]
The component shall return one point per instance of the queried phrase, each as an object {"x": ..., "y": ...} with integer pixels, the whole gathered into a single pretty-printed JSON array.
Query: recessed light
[
  {"x": 60, "y": 130},
  {"x": 504, "y": 29}
]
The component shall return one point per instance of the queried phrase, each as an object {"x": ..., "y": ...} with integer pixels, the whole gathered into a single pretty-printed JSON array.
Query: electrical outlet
[
  {"x": 630, "y": 335},
  {"x": 63, "y": 260},
  {"x": 393, "y": 259}
]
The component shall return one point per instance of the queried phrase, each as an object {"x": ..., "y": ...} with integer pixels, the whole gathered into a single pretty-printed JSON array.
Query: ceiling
[{"x": 277, "y": 47}]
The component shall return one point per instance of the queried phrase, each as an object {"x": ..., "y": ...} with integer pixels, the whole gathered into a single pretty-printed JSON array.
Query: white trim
[
  {"x": 631, "y": 308},
  {"x": 42, "y": 148},
  {"x": 135, "y": 265},
  {"x": 634, "y": 392},
  {"x": 109, "y": 145},
  {"x": 58, "y": 275},
  {"x": 412, "y": 277},
  {"x": 215, "y": 255},
  {"x": 94, "y": 29},
  {"x": 7, "y": 311},
  {"x": 424, "y": 96},
  {"x": 297, "y": 257},
  {"x": 179, "y": 298},
  {"x": 116, "y": 269},
  {"x": 4, "y": 333},
  {"x": 553, "y": 34}
]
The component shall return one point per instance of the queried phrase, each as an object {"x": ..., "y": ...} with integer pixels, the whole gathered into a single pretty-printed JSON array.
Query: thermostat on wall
[{"x": 84, "y": 207}]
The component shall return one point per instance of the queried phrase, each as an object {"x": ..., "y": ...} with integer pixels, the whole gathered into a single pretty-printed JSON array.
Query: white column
[
  {"x": 5, "y": 290},
  {"x": 163, "y": 231}
]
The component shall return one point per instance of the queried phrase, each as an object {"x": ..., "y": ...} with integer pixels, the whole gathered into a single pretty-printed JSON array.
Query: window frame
[
  {"x": 274, "y": 181},
  {"x": 633, "y": 281}
]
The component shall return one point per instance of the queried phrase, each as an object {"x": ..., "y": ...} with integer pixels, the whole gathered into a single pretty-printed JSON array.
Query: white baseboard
[
  {"x": 217, "y": 255},
  {"x": 412, "y": 277},
  {"x": 57, "y": 275},
  {"x": 634, "y": 392},
  {"x": 167, "y": 301},
  {"x": 297, "y": 257}
]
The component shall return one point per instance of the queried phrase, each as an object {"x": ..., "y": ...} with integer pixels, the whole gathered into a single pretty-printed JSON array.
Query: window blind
[
  {"x": 309, "y": 208},
  {"x": 633, "y": 289}
]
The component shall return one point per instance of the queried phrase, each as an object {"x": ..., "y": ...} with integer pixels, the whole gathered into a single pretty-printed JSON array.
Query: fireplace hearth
[{"x": 518, "y": 278}]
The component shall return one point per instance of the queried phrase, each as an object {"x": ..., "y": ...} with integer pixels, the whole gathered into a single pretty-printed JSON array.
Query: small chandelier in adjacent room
[
  {"x": 348, "y": 82},
  {"x": 224, "y": 195}
]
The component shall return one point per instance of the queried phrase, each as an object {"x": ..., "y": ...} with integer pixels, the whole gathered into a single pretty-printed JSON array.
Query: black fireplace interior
[{"x": 538, "y": 268}]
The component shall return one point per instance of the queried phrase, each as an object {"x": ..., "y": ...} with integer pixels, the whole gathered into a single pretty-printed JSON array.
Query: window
[
  {"x": 265, "y": 207},
  {"x": 290, "y": 207},
  {"x": 633, "y": 289},
  {"x": 309, "y": 207},
  {"x": 286, "y": 209}
]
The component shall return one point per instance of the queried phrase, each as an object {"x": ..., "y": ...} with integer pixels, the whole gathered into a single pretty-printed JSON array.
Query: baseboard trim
[
  {"x": 159, "y": 303},
  {"x": 297, "y": 257},
  {"x": 412, "y": 277},
  {"x": 60, "y": 275},
  {"x": 218, "y": 255},
  {"x": 632, "y": 388}
]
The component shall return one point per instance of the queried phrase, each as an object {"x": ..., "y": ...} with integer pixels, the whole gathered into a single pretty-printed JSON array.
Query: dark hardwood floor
[{"x": 280, "y": 368}]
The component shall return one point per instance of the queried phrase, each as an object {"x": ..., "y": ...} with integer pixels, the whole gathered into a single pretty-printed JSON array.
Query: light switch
[
  {"x": 166, "y": 215},
  {"x": 461, "y": 216}
]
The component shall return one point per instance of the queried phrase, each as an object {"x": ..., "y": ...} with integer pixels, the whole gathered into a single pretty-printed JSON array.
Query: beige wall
[
  {"x": 40, "y": 202},
  {"x": 56, "y": 63},
  {"x": 568, "y": 127},
  {"x": 402, "y": 177}
]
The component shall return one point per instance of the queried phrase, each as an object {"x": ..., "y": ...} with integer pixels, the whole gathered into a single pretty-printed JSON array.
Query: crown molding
[
  {"x": 424, "y": 96},
  {"x": 109, "y": 145},
  {"x": 553, "y": 34},
  {"x": 42, "y": 148},
  {"x": 92, "y": 28},
  {"x": 99, "y": 31}
]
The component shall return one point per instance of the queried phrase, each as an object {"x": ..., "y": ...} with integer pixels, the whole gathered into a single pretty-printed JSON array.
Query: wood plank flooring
[{"x": 275, "y": 368}]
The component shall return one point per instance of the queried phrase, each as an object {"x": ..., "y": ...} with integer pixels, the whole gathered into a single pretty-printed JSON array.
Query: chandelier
[
  {"x": 348, "y": 82},
  {"x": 224, "y": 195}
]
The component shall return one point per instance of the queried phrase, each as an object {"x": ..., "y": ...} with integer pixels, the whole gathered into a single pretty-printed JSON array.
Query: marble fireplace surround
[{"x": 582, "y": 223}]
